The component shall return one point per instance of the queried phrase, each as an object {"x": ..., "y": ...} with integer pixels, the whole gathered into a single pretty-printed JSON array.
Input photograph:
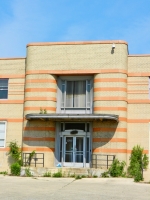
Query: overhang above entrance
[{"x": 72, "y": 117}]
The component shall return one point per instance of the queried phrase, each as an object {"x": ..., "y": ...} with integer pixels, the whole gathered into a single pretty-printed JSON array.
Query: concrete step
[{"x": 66, "y": 172}]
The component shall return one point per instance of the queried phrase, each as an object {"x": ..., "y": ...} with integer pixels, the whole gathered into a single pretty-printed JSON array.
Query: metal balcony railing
[
  {"x": 102, "y": 160},
  {"x": 37, "y": 159}
]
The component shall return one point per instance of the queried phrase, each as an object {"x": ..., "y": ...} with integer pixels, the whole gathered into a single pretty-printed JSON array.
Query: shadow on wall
[
  {"x": 39, "y": 134},
  {"x": 104, "y": 133}
]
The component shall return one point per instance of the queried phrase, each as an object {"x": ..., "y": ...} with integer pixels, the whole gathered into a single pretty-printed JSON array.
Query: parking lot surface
[{"x": 28, "y": 188}]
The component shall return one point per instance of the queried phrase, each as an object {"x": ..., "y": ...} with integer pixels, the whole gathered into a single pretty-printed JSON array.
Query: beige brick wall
[
  {"x": 76, "y": 57},
  {"x": 11, "y": 109}
]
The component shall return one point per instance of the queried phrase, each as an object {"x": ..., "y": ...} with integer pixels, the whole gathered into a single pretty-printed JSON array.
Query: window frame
[
  {"x": 85, "y": 110},
  {"x": 4, "y": 89},
  {"x": 5, "y": 122}
]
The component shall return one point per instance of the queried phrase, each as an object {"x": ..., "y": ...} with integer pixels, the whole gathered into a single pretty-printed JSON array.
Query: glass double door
[{"x": 76, "y": 151}]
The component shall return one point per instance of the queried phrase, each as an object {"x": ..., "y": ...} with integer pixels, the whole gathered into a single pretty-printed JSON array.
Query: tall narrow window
[
  {"x": 3, "y": 88},
  {"x": 2, "y": 133}
]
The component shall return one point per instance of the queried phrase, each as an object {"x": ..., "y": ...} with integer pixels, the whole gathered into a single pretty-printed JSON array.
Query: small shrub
[
  {"x": 73, "y": 175},
  {"x": 117, "y": 168},
  {"x": 27, "y": 172},
  {"x": 105, "y": 175},
  {"x": 95, "y": 176},
  {"x": 4, "y": 173},
  {"x": 83, "y": 176},
  {"x": 138, "y": 162},
  {"x": 47, "y": 174},
  {"x": 15, "y": 169},
  {"x": 15, "y": 151},
  {"x": 78, "y": 177},
  {"x": 58, "y": 174}
]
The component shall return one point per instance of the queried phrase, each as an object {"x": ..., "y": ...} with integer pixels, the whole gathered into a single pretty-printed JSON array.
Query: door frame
[
  {"x": 58, "y": 161},
  {"x": 83, "y": 134}
]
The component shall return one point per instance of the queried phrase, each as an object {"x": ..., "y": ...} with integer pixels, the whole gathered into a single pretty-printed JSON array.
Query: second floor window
[
  {"x": 3, "y": 88},
  {"x": 76, "y": 95}
]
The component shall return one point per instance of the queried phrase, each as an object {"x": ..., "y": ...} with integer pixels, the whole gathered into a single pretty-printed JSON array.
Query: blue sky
[{"x": 25, "y": 21}]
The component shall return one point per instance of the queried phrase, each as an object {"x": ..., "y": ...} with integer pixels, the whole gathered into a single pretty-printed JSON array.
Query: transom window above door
[{"x": 76, "y": 96}]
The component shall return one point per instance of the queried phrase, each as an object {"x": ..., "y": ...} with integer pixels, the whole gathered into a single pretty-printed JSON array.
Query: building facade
[{"x": 73, "y": 100}]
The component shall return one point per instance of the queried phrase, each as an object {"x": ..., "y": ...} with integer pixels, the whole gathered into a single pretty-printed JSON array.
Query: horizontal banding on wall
[
  {"x": 38, "y": 149},
  {"x": 138, "y": 120},
  {"x": 61, "y": 72},
  {"x": 38, "y": 139},
  {"x": 39, "y": 128},
  {"x": 109, "y": 140},
  {"x": 139, "y": 74},
  {"x": 40, "y": 90},
  {"x": 41, "y": 81},
  {"x": 110, "y": 89},
  {"x": 144, "y": 151},
  {"x": 102, "y": 150},
  {"x": 38, "y": 108},
  {"x": 110, "y": 99},
  {"x": 12, "y": 76},
  {"x": 110, "y": 108},
  {"x": 40, "y": 99},
  {"x": 79, "y": 43},
  {"x": 138, "y": 101},
  {"x": 97, "y": 129},
  {"x": 6, "y": 101},
  {"x": 11, "y": 120},
  {"x": 137, "y": 92},
  {"x": 110, "y": 80}
]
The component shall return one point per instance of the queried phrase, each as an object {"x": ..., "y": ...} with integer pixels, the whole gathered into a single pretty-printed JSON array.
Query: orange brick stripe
[
  {"x": 144, "y": 151},
  {"x": 11, "y": 120},
  {"x": 110, "y": 80},
  {"x": 138, "y": 101},
  {"x": 39, "y": 128},
  {"x": 60, "y": 72},
  {"x": 137, "y": 92},
  {"x": 109, "y": 140},
  {"x": 11, "y": 101},
  {"x": 4, "y": 149},
  {"x": 38, "y": 149},
  {"x": 138, "y": 120},
  {"x": 110, "y": 108},
  {"x": 79, "y": 43},
  {"x": 124, "y": 119},
  {"x": 40, "y": 99},
  {"x": 41, "y": 81},
  {"x": 110, "y": 99},
  {"x": 101, "y": 150},
  {"x": 110, "y": 89},
  {"x": 12, "y": 76},
  {"x": 97, "y": 129},
  {"x": 139, "y": 74},
  {"x": 40, "y": 90},
  {"x": 38, "y": 108},
  {"x": 38, "y": 139}
]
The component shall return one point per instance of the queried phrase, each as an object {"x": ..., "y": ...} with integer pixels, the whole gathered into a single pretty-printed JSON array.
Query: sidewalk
[{"x": 26, "y": 188}]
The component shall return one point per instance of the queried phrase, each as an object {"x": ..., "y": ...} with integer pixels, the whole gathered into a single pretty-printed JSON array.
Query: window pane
[
  {"x": 3, "y": 88},
  {"x": 63, "y": 94},
  {"x": 78, "y": 126},
  {"x": 69, "y": 94},
  {"x": 3, "y": 83},
  {"x": 88, "y": 93},
  {"x": 79, "y": 94},
  {"x": 3, "y": 94},
  {"x": 2, "y": 130},
  {"x": 1, "y": 143}
]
